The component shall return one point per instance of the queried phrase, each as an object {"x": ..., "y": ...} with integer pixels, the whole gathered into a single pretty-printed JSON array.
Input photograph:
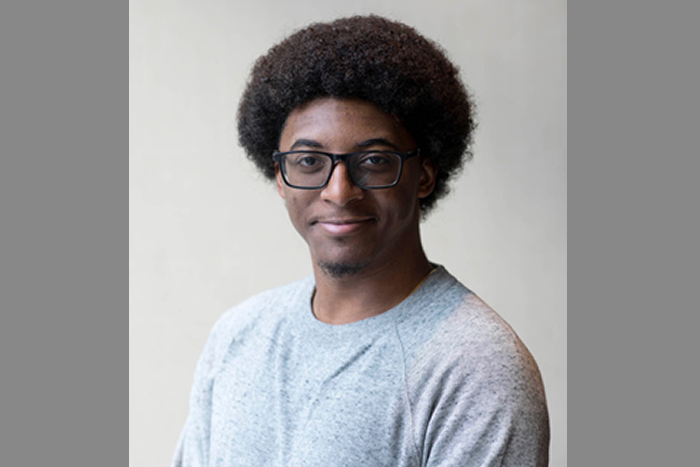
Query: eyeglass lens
[{"x": 367, "y": 170}]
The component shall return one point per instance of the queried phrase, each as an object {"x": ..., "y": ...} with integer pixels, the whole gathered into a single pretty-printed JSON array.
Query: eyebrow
[
  {"x": 377, "y": 142},
  {"x": 306, "y": 142},
  {"x": 364, "y": 144}
]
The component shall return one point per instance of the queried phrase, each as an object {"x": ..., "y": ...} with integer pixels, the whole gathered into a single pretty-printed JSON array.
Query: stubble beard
[{"x": 340, "y": 270}]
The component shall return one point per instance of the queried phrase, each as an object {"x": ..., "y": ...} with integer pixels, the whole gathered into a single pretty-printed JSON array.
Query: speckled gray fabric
[{"x": 439, "y": 380}]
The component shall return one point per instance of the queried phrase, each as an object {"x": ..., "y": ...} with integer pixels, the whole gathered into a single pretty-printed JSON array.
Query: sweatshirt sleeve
[
  {"x": 478, "y": 420},
  {"x": 479, "y": 401},
  {"x": 193, "y": 445}
]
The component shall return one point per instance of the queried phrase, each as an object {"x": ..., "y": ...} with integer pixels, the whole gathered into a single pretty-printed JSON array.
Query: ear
[
  {"x": 428, "y": 174},
  {"x": 280, "y": 182}
]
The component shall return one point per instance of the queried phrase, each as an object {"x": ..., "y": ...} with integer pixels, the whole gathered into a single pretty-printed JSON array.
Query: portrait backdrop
[{"x": 206, "y": 231}]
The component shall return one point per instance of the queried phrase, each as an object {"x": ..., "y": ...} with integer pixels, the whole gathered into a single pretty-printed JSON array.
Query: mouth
[{"x": 343, "y": 226}]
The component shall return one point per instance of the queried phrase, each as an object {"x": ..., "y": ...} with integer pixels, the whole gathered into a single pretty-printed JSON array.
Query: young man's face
[{"x": 347, "y": 228}]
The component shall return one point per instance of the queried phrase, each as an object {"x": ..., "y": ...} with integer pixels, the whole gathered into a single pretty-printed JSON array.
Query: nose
[{"x": 340, "y": 189}]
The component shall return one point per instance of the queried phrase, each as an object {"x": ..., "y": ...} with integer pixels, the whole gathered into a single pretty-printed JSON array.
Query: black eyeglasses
[{"x": 371, "y": 170}]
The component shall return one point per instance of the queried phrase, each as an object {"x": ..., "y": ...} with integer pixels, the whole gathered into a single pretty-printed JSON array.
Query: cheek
[
  {"x": 293, "y": 203},
  {"x": 296, "y": 209}
]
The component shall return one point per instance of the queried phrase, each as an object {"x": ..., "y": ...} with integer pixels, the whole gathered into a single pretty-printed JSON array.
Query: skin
[{"x": 373, "y": 233}]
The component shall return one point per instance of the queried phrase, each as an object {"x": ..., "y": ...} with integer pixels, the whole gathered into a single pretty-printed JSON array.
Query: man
[{"x": 381, "y": 357}]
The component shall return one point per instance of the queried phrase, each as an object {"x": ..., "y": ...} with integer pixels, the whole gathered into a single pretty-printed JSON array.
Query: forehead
[{"x": 343, "y": 122}]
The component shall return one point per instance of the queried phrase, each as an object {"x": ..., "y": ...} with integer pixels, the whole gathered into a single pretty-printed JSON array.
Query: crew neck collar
[{"x": 367, "y": 326}]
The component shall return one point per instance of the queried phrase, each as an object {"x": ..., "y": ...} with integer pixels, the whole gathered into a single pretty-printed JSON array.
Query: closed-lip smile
[{"x": 340, "y": 226}]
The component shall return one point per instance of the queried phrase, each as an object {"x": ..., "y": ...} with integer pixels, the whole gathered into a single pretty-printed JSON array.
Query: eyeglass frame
[{"x": 403, "y": 156}]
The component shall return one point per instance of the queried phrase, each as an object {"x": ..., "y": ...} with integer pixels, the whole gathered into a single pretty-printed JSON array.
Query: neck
[{"x": 369, "y": 292}]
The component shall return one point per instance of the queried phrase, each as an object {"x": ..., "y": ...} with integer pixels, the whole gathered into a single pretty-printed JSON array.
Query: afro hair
[{"x": 364, "y": 57}]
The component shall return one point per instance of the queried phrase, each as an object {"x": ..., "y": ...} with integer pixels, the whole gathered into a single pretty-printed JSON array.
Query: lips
[{"x": 343, "y": 226}]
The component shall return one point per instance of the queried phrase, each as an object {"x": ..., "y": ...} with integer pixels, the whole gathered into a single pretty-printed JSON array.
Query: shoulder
[
  {"x": 464, "y": 337},
  {"x": 260, "y": 311},
  {"x": 468, "y": 372},
  {"x": 447, "y": 322},
  {"x": 477, "y": 347},
  {"x": 457, "y": 344}
]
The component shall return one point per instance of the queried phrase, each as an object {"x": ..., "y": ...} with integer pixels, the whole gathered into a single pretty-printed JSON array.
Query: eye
[
  {"x": 374, "y": 159},
  {"x": 307, "y": 162},
  {"x": 378, "y": 162}
]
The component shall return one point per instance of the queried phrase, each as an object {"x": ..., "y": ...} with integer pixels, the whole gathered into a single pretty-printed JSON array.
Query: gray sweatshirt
[{"x": 438, "y": 380}]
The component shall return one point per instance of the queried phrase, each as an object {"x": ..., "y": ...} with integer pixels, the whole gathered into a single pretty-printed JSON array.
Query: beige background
[{"x": 206, "y": 232}]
